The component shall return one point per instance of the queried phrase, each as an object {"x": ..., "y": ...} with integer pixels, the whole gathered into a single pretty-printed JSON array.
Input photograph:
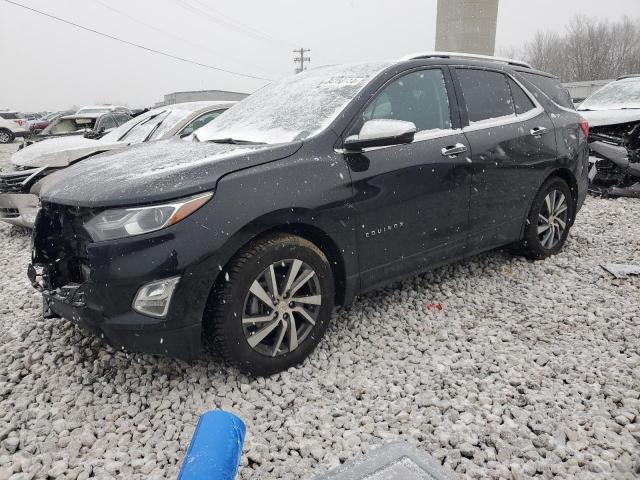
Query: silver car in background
[{"x": 19, "y": 189}]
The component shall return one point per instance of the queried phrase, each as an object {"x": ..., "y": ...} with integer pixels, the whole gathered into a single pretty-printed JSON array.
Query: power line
[
  {"x": 244, "y": 26},
  {"x": 172, "y": 35},
  {"x": 227, "y": 23},
  {"x": 148, "y": 49},
  {"x": 231, "y": 23}
]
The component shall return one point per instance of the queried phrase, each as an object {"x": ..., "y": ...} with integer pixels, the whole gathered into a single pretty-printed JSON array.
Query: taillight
[
  {"x": 584, "y": 126},
  {"x": 19, "y": 121}
]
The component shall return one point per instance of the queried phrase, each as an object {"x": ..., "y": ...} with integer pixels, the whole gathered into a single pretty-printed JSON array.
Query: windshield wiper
[{"x": 235, "y": 141}]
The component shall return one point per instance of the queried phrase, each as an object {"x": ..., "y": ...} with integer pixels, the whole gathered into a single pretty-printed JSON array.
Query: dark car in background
[{"x": 312, "y": 190}]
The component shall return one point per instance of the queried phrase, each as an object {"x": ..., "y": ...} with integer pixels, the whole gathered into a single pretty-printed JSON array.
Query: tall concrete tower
[{"x": 467, "y": 26}]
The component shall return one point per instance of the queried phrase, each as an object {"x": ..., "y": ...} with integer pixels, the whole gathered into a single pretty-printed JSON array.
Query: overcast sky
[{"x": 48, "y": 65}]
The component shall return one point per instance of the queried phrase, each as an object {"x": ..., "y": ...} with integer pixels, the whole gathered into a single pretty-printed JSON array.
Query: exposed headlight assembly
[{"x": 127, "y": 222}]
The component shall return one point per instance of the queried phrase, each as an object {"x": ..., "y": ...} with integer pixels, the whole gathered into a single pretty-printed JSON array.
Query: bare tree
[{"x": 587, "y": 50}]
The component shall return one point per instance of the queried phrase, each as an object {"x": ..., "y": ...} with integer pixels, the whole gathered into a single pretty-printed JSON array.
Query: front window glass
[
  {"x": 107, "y": 122},
  {"x": 615, "y": 95},
  {"x": 295, "y": 108},
  {"x": 419, "y": 97},
  {"x": 486, "y": 94},
  {"x": 199, "y": 122}
]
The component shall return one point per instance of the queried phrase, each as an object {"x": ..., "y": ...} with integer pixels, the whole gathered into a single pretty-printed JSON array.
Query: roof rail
[
  {"x": 510, "y": 61},
  {"x": 632, "y": 75}
]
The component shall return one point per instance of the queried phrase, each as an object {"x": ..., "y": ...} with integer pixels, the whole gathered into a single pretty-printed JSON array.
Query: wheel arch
[
  {"x": 316, "y": 235},
  {"x": 564, "y": 174},
  {"x": 568, "y": 176}
]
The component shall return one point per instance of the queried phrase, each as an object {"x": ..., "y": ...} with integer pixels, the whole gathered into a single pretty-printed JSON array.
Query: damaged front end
[
  {"x": 615, "y": 160},
  {"x": 18, "y": 200}
]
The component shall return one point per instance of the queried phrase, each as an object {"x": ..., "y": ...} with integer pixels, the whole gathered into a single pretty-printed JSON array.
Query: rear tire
[
  {"x": 6, "y": 136},
  {"x": 549, "y": 220},
  {"x": 269, "y": 344}
]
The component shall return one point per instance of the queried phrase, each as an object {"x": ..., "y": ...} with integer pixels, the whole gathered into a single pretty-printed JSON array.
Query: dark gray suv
[{"x": 310, "y": 191}]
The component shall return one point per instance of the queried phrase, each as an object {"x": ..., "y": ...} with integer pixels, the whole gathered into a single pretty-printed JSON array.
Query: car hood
[
  {"x": 597, "y": 118},
  {"x": 61, "y": 151},
  {"x": 154, "y": 172}
]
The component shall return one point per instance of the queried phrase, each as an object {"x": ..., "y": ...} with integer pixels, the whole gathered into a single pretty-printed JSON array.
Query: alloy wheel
[
  {"x": 4, "y": 137},
  {"x": 552, "y": 219},
  {"x": 281, "y": 307}
]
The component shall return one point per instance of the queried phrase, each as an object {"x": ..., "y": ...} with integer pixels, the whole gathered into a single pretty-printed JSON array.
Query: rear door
[
  {"x": 512, "y": 142},
  {"x": 411, "y": 201}
]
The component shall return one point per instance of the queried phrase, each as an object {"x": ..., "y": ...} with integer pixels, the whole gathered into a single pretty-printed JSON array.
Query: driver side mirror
[{"x": 381, "y": 133}]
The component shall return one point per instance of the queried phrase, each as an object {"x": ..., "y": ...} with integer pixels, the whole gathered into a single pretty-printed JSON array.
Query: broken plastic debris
[
  {"x": 622, "y": 270},
  {"x": 393, "y": 461}
]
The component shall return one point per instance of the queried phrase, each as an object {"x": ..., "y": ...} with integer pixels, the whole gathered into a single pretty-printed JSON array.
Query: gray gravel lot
[{"x": 528, "y": 369}]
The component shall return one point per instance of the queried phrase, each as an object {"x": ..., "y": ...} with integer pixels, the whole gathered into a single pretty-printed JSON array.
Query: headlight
[{"x": 126, "y": 222}]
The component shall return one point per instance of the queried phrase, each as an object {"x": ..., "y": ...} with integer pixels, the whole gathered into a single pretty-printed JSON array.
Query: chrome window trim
[
  {"x": 507, "y": 119},
  {"x": 422, "y": 136}
]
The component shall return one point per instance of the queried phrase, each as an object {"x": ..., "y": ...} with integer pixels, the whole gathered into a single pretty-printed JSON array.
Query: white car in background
[
  {"x": 12, "y": 125},
  {"x": 19, "y": 189}
]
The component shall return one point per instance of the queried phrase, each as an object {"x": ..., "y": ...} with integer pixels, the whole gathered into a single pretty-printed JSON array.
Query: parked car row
[
  {"x": 312, "y": 190},
  {"x": 19, "y": 189},
  {"x": 34, "y": 126}
]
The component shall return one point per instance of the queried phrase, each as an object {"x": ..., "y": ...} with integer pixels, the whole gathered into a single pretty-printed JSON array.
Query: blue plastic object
[{"x": 215, "y": 449}]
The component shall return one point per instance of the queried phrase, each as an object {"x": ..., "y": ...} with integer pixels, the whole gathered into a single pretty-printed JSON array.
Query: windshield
[
  {"x": 615, "y": 95},
  {"x": 293, "y": 109},
  {"x": 152, "y": 125}
]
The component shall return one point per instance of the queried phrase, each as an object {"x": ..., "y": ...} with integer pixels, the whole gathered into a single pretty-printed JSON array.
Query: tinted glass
[
  {"x": 419, "y": 97},
  {"x": 486, "y": 94},
  {"x": 9, "y": 116},
  {"x": 201, "y": 121},
  {"x": 551, "y": 87},
  {"x": 521, "y": 100}
]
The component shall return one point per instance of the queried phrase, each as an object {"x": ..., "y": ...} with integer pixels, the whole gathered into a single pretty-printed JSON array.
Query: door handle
[
  {"x": 454, "y": 150},
  {"x": 537, "y": 131}
]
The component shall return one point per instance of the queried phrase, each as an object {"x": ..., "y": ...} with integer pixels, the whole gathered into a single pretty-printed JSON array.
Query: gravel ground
[{"x": 499, "y": 367}]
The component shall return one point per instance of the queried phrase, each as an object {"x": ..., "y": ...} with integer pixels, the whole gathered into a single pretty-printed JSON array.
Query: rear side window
[
  {"x": 551, "y": 87},
  {"x": 9, "y": 116},
  {"x": 521, "y": 100},
  {"x": 419, "y": 97},
  {"x": 486, "y": 94}
]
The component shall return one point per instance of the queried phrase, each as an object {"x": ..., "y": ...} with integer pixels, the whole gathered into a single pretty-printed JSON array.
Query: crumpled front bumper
[
  {"x": 130, "y": 331},
  {"x": 19, "y": 208}
]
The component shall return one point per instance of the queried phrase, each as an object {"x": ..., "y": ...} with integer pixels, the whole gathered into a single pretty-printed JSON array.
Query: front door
[{"x": 411, "y": 201}]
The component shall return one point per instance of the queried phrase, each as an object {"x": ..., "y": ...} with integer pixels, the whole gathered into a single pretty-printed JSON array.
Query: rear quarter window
[
  {"x": 9, "y": 116},
  {"x": 551, "y": 87}
]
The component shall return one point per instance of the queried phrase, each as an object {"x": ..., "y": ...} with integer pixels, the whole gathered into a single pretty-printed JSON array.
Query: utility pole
[{"x": 301, "y": 59}]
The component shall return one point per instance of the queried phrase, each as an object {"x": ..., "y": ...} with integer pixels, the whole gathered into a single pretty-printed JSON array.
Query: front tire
[
  {"x": 549, "y": 220},
  {"x": 273, "y": 304},
  {"x": 6, "y": 136}
]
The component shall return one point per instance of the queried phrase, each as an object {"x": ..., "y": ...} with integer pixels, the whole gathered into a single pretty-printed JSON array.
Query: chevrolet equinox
[{"x": 312, "y": 190}]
